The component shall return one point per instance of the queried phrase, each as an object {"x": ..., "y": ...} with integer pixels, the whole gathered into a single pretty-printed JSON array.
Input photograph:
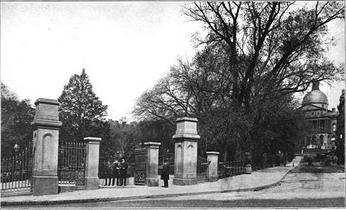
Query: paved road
[{"x": 298, "y": 189}]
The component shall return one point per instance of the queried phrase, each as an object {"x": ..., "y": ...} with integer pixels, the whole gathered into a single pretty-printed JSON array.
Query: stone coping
[
  {"x": 213, "y": 153},
  {"x": 190, "y": 119},
  {"x": 46, "y": 123},
  {"x": 186, "y": 136},
  {"x": 47, "y": 101},
  {"x": 151, "y": 143},
  {"x": 92, "y": 139}
]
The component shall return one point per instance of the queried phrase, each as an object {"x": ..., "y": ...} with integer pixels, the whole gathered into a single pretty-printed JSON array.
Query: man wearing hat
[{"x": 165, "y": 173}]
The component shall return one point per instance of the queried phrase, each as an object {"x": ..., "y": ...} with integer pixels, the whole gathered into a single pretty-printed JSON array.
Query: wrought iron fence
[
  {"x": 140, "y": 166},
  {"x": 202, "y": 169},
  {"x": 71, "y": 163},
  {"x": 16, "y": 172},
  {"x": 232, "y": 168}
]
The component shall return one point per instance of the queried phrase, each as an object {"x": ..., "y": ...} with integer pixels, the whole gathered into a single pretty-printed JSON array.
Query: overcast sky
[{"x": 124, "y": 47}]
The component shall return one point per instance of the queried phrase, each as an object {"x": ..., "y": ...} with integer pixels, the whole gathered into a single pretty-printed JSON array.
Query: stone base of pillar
[
  {"x": 248, "y": 169},
  {"x": 45, "y": 185},
  {"x": 213, "y": 179},
  {"x": 152, "y": 182},
  {"x": 92, "y": 183},
  {"x": 182, "y": 181}
]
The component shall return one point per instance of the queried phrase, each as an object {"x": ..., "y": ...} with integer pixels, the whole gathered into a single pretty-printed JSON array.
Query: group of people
[{"x": 116, "y": 170}]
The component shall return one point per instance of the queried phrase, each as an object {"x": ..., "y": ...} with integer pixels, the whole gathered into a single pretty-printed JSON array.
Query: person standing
[
  {"x": 109, "y": 172},
  {"x": 165, "y": 173},
  {"x": 123, "y": 172},
  {"x": 116, "y": 172}
]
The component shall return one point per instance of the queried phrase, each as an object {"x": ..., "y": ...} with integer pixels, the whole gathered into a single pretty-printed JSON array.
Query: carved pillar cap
[
  {"x": 213, "y": 153},
  {"x": 152, "y": 144},
  {"x": 47, "y": 101},
  {"x": 186, "y": 129},
  {"x": 47, "y": 113},
  {"x": 191, "y": 119},
  {"x": 92, "y": 139}
]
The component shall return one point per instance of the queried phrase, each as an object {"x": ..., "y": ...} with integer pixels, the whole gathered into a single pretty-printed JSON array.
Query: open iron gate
[
  {"x": 16, "y": 172},
  {"x": 71, "y": 163}
]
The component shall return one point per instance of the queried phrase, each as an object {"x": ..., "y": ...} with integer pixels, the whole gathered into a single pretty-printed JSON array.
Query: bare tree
[{"x": 271, "y": 46}]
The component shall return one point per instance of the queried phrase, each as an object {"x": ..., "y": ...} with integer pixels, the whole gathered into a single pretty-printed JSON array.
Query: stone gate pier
[
  {"x": 212, "y": 173},
  {"x": 185, "y": 163},
  {"x": 46, "y": 126},
  {"x": 152, "y": 162},
  {"x": 92, "y": 180}
]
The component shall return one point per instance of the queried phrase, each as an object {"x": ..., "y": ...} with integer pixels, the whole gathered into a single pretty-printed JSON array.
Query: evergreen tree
[{"x": 81, "y": 110}]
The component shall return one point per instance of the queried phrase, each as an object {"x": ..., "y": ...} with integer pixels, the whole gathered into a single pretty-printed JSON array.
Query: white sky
[{"x": 124, "y": 48}]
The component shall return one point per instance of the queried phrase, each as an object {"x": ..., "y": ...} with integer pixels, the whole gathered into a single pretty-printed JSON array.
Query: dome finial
[{"x": 315, "y": 85}]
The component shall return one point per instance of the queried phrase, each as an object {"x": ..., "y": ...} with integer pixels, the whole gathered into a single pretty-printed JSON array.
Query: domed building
[{"x": 322, "y": 121}]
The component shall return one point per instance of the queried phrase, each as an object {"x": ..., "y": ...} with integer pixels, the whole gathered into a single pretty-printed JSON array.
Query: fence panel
[
  {"x": 140, "y": 166},
  {"x": 231, "y": 168},
  {"x": 16, "y": 172},
  {"x": 71, "y": 163},
  {"x": 202, "y": 169}
]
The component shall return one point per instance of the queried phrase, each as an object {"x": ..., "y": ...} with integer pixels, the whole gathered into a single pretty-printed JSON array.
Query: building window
[
  {"x": 314, "y": 140},
  {"x": 321, "y": 140}
]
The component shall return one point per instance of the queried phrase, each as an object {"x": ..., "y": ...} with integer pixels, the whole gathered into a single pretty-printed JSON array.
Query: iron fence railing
[
  {"x": 16, "y": 171},
  {"x": 231, "y": 168},
  {"x": 71, "y": 163}
]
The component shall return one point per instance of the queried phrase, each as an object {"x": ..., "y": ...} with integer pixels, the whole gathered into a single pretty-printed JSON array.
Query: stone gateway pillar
[
  {"x": 46, "y": 126},
  {"x": 213, "y": 158},
  {"x": 92, "y": 180},
  {"x": 152, "y": 163},
  {"x": 185, "y": 163}
]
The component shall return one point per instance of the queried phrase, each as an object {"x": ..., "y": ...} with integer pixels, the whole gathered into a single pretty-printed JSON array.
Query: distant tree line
[{"x": 16, "y": 117}]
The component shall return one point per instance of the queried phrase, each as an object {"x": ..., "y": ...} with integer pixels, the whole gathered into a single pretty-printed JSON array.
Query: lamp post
[{"x": 16, "y": 148}]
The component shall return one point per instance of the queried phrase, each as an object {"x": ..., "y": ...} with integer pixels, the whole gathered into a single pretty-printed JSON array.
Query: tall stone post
[
  {"x": 46, "y": 126},
  {"x": 213, "y": 158},
  {"x": 92, "y": 180},
  {"x": 152, "y": 163},
  {"x": 185, "y": 163}
]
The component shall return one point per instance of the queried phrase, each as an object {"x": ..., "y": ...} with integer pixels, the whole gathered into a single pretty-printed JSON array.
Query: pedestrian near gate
[{"x": 165, "y": 173}]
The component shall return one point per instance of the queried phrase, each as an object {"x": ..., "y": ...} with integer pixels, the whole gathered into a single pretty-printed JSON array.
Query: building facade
[
  {"x": 340, "y": 131},
  {"x": 322, "y": 121}
]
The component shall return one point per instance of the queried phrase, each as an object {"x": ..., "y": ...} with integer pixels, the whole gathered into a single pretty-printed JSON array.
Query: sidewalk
[{"x": 247, "y": 182}]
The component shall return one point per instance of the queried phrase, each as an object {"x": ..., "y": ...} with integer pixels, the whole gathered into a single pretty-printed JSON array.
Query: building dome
[{"x": 315, "y": 96}]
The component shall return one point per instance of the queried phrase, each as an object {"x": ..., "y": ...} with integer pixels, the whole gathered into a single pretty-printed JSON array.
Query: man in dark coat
[
  {"x": 123, "y": 172},
  {"x": 116, "y": 172},
  {"x": 109, "y": 172},
  {"x": 165, "y": 173}
]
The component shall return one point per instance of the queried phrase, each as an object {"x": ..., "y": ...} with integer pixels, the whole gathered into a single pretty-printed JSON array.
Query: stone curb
[{"x": 93, "y": 200}]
